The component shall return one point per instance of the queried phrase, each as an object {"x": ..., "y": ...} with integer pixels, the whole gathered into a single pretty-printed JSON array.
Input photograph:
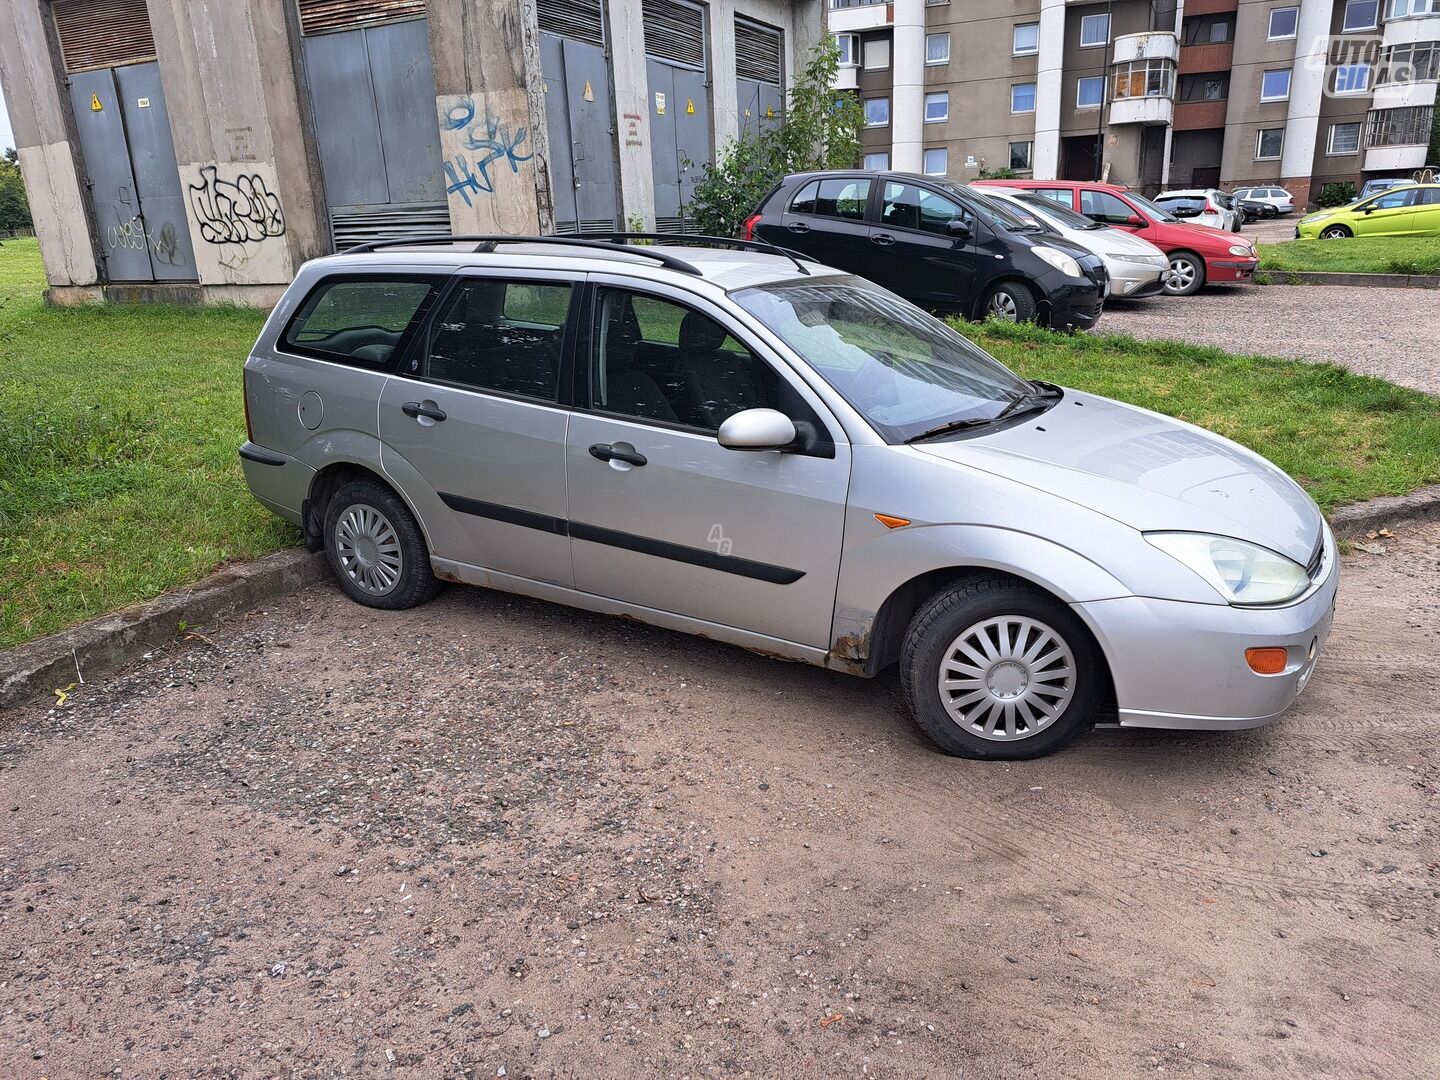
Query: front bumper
[
  {"x": 1229, "y": 269},
  {"x": 1074, "y": 304},
  {"x": 1131, "y": 280},
  {"x": 1178, "y": 665}
]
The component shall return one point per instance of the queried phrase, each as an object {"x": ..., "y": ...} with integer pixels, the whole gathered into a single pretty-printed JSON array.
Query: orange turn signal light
[
  {"x": 1267, "y": 661},
  {"x": 891, "y": 522}
]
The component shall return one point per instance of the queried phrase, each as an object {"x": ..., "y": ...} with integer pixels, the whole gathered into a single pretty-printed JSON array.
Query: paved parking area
[
  {"x": 1386, "y": 332},
  {"x": 495, "y": 837}
]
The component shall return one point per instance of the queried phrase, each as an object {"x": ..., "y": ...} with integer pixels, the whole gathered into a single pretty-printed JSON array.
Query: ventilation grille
[
  {"x": 103, "y": 33},
  {"x": 361, "y": 225},
  {"x": 579, "y": 20},
  {"x": 672, "y": 225},
  {"x": 757, "y": 52},
  {"x": 322, "y": 16},
  {"x": 593, "y": 225},
  {"x": 674, "y": 32}
]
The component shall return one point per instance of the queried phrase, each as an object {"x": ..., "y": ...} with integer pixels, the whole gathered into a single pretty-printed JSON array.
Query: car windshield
[
  {"x": 905, "y": 371},
  {"x": 1049, "y": 210},
  {"x": 1149, "y": 209},
  {"x": 993, "y": 211}
]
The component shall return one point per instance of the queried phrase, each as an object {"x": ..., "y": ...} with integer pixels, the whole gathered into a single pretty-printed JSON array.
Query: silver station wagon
[{"x": 729, "y": 440}]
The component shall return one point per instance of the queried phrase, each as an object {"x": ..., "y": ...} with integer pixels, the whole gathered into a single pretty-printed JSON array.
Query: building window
[
  {"x": 1360, "y": 15},
  {"x": 1144, "y": 78},
  {"x": 937, "y": 162},
  {"x": 1409, "y": 126},
  {"x": 1352, "y": 78},
  {"x": 849, "y": 46},
  {"x": 1344, "y": 139},
  {"x": 1284, "y": 21},
  {"x": 1021, "y": 154},
  {"x": 937, "y": 49},
  {"x": 936, "y": 3},
  {"x": 1090, "y": 92},
  {"x": 1410, "y": 63},
  {"x": 1269, "y": 144},
  {"x": 1221, "y": 31},
  {"x": 937, "y": 107},
  {"x": 1027, "y": 39},
  {"x": 1405, "y": 9},
  {"x": 877, "y": 53},
  {"x": 876, "y": 162},
  {"x": 877, "y": 112},
  {"x": 1094, "y": 30},
  {"x": 1275, "y": 85},
  {"x": 1022, "y": 98}
]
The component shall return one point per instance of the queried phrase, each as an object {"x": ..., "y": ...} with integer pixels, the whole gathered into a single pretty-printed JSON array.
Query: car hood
[
  {"x": 1218, "y": 237},
  {"x": 1120, "y": 242},
  {"x": 1146, "y": 471}
]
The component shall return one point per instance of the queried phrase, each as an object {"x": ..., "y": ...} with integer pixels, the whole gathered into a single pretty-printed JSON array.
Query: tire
[
  {"x": 944, "y": 637},
  {"x": 1009, "y": 301},
  {"x": 1190, "y": 269},
  {"x": 1335, "y": 232},
  {"x": 376, "y": 549}
]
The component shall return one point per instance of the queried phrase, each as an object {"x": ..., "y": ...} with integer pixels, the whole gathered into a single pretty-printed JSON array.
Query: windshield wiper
[
  {"x": 1023, "y": 403},
  {"x": 953, "y": 425}
]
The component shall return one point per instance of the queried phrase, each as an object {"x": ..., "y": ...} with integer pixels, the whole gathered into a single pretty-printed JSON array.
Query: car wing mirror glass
[
  {"x": 1135, "y": 221},
  {"x": 757, "y": 429}
]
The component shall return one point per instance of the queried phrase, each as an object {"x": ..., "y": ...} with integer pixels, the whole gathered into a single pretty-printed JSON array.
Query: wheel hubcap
[
  {"x": 1184, "y": 273},
  {"x": 1002, "y": 306},
  {"x": 1007, "y": 678},
  {"x": 369, "y": 549}
]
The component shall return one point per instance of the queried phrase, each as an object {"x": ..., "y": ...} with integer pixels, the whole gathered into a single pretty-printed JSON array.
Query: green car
[{"x": 1403, "y": 211}]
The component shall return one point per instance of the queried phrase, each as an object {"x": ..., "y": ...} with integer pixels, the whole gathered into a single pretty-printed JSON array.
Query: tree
[
  {"x": 14, "y": 209},
  {"x": 820, "y": 130}
]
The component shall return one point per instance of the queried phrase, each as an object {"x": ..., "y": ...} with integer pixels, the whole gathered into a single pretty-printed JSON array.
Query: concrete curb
[
  {"x": 1370, "y": 281},
  {"x": 105, "y": 643},
  {"x": 1359, "y": 518}
]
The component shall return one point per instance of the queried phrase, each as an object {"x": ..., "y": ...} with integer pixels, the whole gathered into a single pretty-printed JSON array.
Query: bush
[
  {"x": 1336, "y": 194},
  {"x": 14, "y": 210},
  {"x": 1005, "y": 173},
  {"x": 820, "y": 130}
]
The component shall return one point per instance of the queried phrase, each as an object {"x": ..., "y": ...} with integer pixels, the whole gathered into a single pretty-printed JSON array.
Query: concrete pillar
[
  {"x": 633, "y": 109},
  {"x": 31, "y": 75},
  {"x": 724, "y": 93},
  {"x": 1307, "y": 88},
  {"x": 1045, "y": 164},
  {"x": 907, "y": 93},
  {"x": 486, "y": 55}
]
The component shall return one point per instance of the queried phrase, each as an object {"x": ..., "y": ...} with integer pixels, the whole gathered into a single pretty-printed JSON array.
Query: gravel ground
[
  {"x": 495, "y": 837},
  {"x": 1384, "y": 332}
]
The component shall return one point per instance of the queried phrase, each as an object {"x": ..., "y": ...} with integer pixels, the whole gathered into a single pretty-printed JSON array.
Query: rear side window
[
  {"x": 1059, "y": 196},
  {"x": 839, "y": 198},
  {"x": 506, "y": 336},
  {"x": 359, "y": 321}
]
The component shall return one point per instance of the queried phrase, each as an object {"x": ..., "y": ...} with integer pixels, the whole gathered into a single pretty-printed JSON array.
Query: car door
[
  {"x": 473, "y": 425},
  {"x": 1109, "y": 209},
  {"x": 914, "y": 253},
  {"x": 826, "y": 218},
  {"x": 663, "y": 516},
  {"x": 1427, "y": 212},
  {"x": 1390, "y": 214}
]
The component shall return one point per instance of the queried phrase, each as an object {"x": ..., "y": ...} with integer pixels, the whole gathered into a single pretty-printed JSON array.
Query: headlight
[
  {"x": 1241, "y": 249},
  {"x": 1060, "y": 261},
  {"x": 1143, "y": 260},
  {"x": 1241, "y": 572}
]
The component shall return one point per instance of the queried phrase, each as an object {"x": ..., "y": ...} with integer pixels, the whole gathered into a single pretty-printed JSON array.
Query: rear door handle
[
  {"x": 883, "y": 239},
  {"x": 418, "y": 409},
  {"x": 606, "y": 452},
  {"x": 798, "y": 227}
]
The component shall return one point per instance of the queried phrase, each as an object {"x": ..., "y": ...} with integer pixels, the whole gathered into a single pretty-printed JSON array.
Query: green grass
[
  {"x": 118, "y": 472},
  {"x": 1345, "y": 437},
  {"x": 118, "y": 429},
  {"x": 1357, "y": 255}
]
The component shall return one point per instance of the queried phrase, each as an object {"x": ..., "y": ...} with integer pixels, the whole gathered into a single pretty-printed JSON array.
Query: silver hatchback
[{"x": 754, "y": 447}]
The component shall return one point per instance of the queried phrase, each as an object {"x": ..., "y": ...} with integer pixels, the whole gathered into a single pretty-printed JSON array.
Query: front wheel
[
  {"x": 376, "y": 548},
  {"x": 994, "y": 668},
  {"x": 1187, "y": 274},
  {"x": 1334, "y": 232},
  {"x": 1010, "y": 302}
]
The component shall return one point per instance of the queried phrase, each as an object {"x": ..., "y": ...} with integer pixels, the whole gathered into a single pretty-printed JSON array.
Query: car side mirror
[
  {"x": 757, "y": 429},
  {"x": 1368, "y": 209},
  {"x": 1135, "y": 221},
  {"x": 959, "y": 228}
]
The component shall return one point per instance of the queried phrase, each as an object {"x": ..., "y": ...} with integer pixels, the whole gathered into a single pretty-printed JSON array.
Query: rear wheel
[
  {"x": 1010, "y": 301},
  {"x": 376, "y": 549},
  {"x": 1187, "y": 274},
  {"x": 1335, "y": 232}
]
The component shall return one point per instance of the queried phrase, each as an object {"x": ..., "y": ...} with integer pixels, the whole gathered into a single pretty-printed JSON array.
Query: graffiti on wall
[
  {"x": 485, "y": 143},
  {"x": 239, "y": 211},
  {"x": 136, "y": 235}
]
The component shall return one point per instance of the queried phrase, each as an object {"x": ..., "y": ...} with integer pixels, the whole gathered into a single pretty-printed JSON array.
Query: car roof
[
  {"x": 1184, "y": 193},
  {"x": 1031, "y": 184}
]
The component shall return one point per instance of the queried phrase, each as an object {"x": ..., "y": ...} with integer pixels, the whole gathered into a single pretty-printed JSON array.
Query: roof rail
[
  {"x": 712, "y": 241},
  {"x": 490, "y": 243}
]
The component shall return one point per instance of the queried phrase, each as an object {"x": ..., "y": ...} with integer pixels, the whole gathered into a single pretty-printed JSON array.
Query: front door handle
[
  {"x": 418, "y": 409},
  {"x": 606, "y": 452},
  {"x": 883, "y": 239},
  {"x": 799, "y": 228}
]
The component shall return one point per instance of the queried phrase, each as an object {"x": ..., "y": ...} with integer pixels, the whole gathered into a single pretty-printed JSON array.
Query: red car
[{"x": 1198, "y": 253}]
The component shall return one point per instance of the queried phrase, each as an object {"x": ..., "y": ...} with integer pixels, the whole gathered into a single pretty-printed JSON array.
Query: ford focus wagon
[{"x": 740, "y": 442}]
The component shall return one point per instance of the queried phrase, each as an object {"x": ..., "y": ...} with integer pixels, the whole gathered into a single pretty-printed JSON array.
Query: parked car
[
  {"x": 1136, "y": 267},
  {"x": 1200, "y": 206},
  {"x": 937, "y": 244},
  {"x": 1255, "y": 211},
  {"x": 1375, "y": 187},
  {"x": 1232, "y": 204},
  {"x": 761, "y": 449},
  {"x": 1278, "y": 198},
  {"x": 1198, "y": 254},
  {"x": 1413, "y": 210}
]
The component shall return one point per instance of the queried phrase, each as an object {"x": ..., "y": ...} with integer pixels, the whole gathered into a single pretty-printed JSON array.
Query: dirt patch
[{"x": 492, "y": 833}]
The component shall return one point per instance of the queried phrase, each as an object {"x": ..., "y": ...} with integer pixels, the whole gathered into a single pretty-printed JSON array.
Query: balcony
[
  {"x": 1142, "y": 83},
  {"x": 1209, "y": 7},
  {"x": 1154, "y": 45},
  {"x": 848, "y": 16},
  {"x": 1198, "y": 115},
  {"x": 1194, "y": 58},
  {"x": 1395, "y": 158}
]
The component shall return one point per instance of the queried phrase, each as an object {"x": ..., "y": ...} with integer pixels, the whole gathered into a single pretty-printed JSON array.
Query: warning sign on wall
[{"x": 95, "y": 105}]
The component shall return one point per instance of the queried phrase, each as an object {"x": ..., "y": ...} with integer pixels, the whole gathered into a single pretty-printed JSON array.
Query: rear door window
[
  {"x": 506, "y": 336},
  {"x": 361, "y": 322},
  {"x": 1103, "y": 206},
  {"x": 837, "y": 197},
  {"x": 1059, "y": 196}
]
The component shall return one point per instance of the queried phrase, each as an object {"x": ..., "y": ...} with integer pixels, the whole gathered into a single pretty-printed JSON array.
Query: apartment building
[{"x": 1149, "y": 93}]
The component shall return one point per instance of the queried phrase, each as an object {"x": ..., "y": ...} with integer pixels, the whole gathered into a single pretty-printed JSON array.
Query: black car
[{"x": 941, "y": 246}]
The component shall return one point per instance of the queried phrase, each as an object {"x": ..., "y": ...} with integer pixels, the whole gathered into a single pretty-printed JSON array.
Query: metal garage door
[
  {"x": 372, "y": 95},
  {"x": 579, "y": 114},
  {"x": 759, "y": 74},
  {"x": 676, "y": 65},
  {"x": 124, "y": 133}
]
